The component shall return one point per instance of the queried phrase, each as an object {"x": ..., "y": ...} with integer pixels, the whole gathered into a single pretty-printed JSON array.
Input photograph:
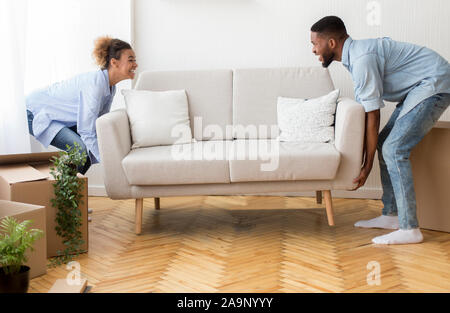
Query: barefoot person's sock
[
  {"x": 401, "y": 236},
  {"x": 383, "y": 221}
]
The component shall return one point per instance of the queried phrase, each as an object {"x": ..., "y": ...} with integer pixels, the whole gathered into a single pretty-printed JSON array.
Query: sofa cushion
[
  {"x": 255, "y": 93},
  {"x": 209, "y": 95},
  {"x": 157, "y": 117},
  {"x": 231, "y": 161},
  {"x": 307, "y": 120},
  {"x": 272, "y": 160},
  {"x": 194, "y": 163}
]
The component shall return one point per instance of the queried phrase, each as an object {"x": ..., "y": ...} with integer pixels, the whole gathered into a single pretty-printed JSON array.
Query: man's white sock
[
  {"x": 401, "y": 236},
  {"x": 383, "y": 221}
]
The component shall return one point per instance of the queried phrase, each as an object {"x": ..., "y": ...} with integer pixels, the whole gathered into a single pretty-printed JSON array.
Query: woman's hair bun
[
  {"x": 106, "y": 48},
  {"x": 101, "y": 49}
]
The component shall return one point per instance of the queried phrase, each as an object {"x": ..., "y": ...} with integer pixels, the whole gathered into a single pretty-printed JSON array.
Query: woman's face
[{"x": 126, "y": 65}]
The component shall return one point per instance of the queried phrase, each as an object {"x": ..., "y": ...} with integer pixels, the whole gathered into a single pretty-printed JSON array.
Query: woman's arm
[{"x": 88, "y": 110}]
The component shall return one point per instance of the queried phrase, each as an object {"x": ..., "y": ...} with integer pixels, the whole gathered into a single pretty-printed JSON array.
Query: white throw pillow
[
  {"x": 307, "y": 120},
  {"x": 158, "y": 118}
]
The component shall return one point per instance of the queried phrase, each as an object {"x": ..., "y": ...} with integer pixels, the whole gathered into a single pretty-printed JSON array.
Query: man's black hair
[{"x": 330, "y": 26}]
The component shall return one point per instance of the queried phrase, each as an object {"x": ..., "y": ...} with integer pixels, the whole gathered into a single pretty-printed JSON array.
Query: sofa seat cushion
[
  {"x": 178, "y": 164},
  {"x": 272, "y": 160},
  {"x": 228, "y": 161}
]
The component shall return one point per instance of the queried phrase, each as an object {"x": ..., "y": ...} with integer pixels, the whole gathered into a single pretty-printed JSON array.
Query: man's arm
[
  {"x": 367, "y": 75},
  {"x": 370, "y": 146}
]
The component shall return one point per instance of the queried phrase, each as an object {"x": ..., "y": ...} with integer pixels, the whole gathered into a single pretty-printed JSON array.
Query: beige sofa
[{"x": 241, "y": 105}]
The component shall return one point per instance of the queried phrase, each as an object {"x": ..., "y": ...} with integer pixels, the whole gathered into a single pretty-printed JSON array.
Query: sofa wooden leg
[
  {"x": 329, "y": 206},
  {"x": 319, "y": 197},
  {"x": 157, "y": 204},
  {"x": 139, "y": 209}
]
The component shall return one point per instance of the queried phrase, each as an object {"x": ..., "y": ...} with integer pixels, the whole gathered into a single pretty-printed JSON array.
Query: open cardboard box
[
  {"x": 37, "y": 259},
  {"x": 26, "y": 178}
]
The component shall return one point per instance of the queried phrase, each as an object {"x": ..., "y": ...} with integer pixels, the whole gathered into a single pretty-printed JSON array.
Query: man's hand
[
  {"x": 370, "y": 146},
  {"x": 361, "y": 179}
]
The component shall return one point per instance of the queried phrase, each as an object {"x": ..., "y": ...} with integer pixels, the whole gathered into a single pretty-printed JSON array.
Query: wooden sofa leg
[
  {"x": 139, "y": 209},
  {"x": 319, "y": 197},
  {"x": 329, "y": 207},
  {"x": 157, "y": 204}
]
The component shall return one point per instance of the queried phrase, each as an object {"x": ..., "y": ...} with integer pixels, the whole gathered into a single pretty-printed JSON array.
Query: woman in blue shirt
[{"x": 65, "y": 112}]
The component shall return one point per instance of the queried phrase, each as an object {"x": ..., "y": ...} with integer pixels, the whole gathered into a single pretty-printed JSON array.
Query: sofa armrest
[
  {"x": 114, "y": 143},
  {"x": 349, "y": 140}
]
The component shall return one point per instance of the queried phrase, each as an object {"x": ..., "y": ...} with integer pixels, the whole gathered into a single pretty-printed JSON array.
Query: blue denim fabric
[
  {"x": 395, "y": 143},
  {"x": 67, "y": 135}
]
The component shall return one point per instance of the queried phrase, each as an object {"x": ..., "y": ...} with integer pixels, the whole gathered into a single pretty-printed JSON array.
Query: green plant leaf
[
  {"x": 67, "y": 189},
  {"x": 15, "y": 240}
]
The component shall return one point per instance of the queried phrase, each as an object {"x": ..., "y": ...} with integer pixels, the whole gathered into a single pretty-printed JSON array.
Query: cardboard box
[
  {"x": 430, "y": 164},
  {"x": 26, "y": 178},
  {"x": 62, "y": 286},
  {"x": 37, "y": 259}
]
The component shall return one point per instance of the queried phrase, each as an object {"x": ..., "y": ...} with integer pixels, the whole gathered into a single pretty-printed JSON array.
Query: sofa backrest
[
  {"x": 255, "y": 93},
  {"x": 209, "y": 95},
  {"x": 226, "y": 104}
]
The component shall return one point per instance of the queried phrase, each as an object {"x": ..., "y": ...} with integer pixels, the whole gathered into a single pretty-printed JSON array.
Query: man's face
[{"x": 322, "y": 49}]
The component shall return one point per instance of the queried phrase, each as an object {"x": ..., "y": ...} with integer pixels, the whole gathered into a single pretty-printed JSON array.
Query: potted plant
[
  {"x": 67, "y": 200},
  {"x": 15, "y": 240}
]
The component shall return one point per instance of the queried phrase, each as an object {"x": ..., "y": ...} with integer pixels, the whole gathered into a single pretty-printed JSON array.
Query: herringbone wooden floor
[{"x": 250, "y": 244}]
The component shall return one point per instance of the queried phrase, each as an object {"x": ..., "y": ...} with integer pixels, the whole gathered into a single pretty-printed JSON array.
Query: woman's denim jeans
[
  {"x": 395, "y": 143},
  {"x": 66, "y": 136}
]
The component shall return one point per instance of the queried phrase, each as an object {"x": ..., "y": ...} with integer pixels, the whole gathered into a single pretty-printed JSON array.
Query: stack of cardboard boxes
[{"x": 26, "y": 178}]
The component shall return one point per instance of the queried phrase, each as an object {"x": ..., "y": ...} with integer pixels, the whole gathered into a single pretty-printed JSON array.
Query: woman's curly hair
[{"x": 106, "y": 48}]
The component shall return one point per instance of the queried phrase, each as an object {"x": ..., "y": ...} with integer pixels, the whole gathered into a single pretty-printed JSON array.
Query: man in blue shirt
[{"x": 383, "y": 69}]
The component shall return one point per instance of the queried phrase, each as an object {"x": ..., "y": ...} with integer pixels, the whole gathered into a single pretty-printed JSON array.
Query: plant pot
[{"x": 15, "y": 283}]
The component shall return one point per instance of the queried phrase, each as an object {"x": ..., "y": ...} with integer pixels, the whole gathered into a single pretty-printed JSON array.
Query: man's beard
[{"x": 327, "y": 59}]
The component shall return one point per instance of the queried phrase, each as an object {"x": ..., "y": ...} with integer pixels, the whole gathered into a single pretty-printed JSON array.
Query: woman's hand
[{"x": 361, "y": 179}]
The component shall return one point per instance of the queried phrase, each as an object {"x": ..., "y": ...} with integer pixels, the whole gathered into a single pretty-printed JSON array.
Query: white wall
[{"x": 207, "y": 34}]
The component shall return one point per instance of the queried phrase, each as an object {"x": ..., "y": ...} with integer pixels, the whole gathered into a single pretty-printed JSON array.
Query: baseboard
[
  {"x": 97, "y": 191},
  {"x": 362, "y": 193}
]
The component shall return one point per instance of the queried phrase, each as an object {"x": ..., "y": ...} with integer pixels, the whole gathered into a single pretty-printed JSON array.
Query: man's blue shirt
[
  {"x": 384, "y": 69},
  {"x": 76, "y": 101}
]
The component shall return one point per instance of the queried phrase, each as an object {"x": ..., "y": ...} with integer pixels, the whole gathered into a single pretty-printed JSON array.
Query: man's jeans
[
  {"x": 66, "y": 136},
  {"x": 395, "y": 143}
]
